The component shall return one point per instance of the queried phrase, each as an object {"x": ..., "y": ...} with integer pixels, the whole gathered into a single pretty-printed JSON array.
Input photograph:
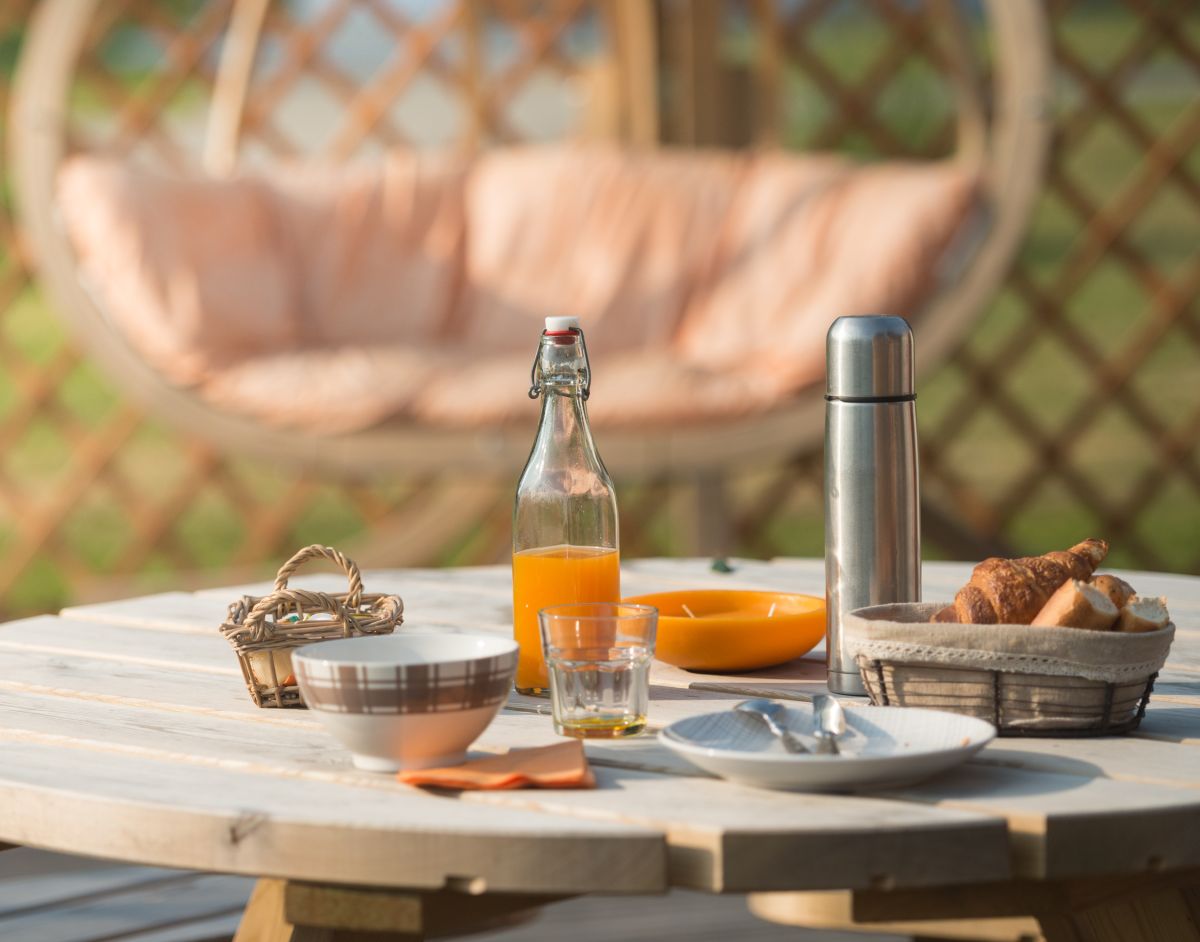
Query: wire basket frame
[{"x": 1016, "y": 704}]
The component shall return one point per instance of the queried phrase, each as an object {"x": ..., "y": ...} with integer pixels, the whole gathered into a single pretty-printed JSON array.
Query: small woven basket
[
  {"x": 264, "y": 631},
  {"x": 1027, "y": 681}
]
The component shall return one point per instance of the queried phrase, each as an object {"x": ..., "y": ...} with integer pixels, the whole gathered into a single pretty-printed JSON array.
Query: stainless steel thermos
[{"x": 872, "y": 518}]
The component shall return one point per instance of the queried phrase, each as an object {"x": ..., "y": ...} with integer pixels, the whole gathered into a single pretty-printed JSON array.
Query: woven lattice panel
[
  {"x": 1073, "y": 409},
  {"x": 1075, "y": 405},
  {"x": 95, "y": 498}
]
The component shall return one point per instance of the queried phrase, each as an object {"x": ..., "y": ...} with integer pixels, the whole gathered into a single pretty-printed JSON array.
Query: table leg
[
  {"x": 1150, "y": 907},
  {"x": 262, "y": 920},
  {"x": 293, "y": 911}
]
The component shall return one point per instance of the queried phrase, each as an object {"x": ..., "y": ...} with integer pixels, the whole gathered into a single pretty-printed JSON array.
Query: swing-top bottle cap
[
  {"x": 559, "y": 325},
  {"x": 561, "y": 349}
]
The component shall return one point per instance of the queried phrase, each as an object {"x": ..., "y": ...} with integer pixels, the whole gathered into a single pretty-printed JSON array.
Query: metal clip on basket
[{"x": 264, "y": 631}]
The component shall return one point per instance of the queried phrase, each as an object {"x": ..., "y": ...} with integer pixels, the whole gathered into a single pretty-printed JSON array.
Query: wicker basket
[
  {"x": 1027, "y": 681},
  {"x": 264, "y": 631}
]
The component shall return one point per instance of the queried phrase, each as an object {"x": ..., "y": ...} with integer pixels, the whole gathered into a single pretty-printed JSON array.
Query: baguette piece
[
  {"x": 1077, "y": 605},
  {"x": 1143, "y": 615},
  {"x": 1118, "y": 590}
]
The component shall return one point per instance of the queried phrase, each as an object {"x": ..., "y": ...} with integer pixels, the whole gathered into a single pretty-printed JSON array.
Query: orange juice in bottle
[
  {"x": 565, "y": 545},
  {"x": 556, "y": 575}
]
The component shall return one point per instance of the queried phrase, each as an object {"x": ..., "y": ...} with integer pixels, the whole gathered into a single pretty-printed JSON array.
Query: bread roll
[
  {"x": 1077, "y": 605},
  {"x": 946, "y": 615},
  {"x": 1118, "y": 590},
  {"x": 1143, "y": 615}
]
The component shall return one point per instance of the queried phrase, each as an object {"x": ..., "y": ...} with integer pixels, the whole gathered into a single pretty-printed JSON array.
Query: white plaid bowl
[{"x": 407, "y": 700}]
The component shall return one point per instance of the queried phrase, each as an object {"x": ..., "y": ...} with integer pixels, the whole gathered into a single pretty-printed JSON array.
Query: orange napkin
[{"x": 562, "y": 765}]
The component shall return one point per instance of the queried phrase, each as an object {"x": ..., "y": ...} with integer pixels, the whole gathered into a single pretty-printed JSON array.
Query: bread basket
[
  {"x": 264, "y": 631},
  {"x": 1027, "y": 681}
]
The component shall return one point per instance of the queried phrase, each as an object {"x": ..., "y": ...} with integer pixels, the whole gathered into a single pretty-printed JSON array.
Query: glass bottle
[{"x": 565, "y": 515}]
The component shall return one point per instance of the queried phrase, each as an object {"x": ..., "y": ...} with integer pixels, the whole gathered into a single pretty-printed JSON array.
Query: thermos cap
[{"x": 869, "y": 357}]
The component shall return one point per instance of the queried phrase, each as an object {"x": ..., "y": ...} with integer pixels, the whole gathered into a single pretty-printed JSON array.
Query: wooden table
[{"x": 126, "y": 732}]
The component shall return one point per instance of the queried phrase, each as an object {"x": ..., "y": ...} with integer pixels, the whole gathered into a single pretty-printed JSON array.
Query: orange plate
[{"x": 731, "y": 630}]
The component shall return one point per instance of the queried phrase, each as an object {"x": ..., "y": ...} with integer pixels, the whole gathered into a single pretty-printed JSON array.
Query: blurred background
[{"x": 1064, "y": 404}]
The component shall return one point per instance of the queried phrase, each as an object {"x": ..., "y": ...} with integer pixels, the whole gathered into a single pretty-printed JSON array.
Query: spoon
[
  {"x": 774, "y": 715},
  {"x": 831, "y": 723}
]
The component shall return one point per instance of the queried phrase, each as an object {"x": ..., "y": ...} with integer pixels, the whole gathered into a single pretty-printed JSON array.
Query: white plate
[{"x": 881, "y": 746}]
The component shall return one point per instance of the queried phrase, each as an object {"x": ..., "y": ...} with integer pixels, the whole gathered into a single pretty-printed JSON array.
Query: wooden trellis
[{"x": 81, "y": 516}]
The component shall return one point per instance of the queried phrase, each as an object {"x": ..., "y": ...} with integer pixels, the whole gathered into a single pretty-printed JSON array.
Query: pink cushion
[
  {"x": 414, "y": 288},
  {"x": 185, "y": 270}
]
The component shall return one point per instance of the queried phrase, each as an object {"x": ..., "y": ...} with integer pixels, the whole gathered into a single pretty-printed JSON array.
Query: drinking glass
[{"x": 598, "y": 657}]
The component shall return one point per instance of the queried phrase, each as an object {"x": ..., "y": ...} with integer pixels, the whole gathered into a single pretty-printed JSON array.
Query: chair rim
[{"x": 1012, "y": 171}]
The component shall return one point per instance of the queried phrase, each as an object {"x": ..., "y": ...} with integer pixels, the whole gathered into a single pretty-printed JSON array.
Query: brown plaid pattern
[{"x": 412, "y": 688}]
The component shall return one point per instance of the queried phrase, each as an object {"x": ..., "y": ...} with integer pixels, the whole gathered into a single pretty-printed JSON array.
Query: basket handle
[
  {"x": 316, "y": 551},
  {"x": 258, "y": 629}
]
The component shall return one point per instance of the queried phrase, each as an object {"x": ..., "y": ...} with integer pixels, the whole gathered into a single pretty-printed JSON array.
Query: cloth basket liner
[{"x": 902, "y": 633}]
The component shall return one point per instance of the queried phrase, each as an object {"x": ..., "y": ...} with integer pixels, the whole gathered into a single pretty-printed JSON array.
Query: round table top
[{"x": 126, "y": 732}]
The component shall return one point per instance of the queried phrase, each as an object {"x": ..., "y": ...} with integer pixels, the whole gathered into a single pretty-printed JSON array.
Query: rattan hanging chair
[{"x": 1004, "y": 142}]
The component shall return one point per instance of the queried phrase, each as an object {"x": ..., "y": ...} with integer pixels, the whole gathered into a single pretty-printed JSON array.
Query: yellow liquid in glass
[
  {"x": 556, "y": 575},
  {"x": 602, "y": 727}
]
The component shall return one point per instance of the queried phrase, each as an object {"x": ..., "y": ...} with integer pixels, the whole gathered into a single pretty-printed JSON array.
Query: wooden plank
[
  {"x": 507, "y": 732},
  {"x": 680, "y": 916},
  {"x": 731, "y": 838},
  {"x": 741, "y": 834},
  {"x": 1122, "y": 758},
  {"x": 1170, "y": 722},
  {"x": 130, "y": 642},
  {"x": 82, "y": 677},
  {"x": 169, "y": 611},
  {"x": 168, "y": 650},
  {"x": 293, "y": 742},
  {"x": 798, "y": 679},
  {"x": 1135, "y": 803},
  {"x": 263, "y": 920},
  {"x": 1135, "y": 760},
  {"x": 1184, "y": 656},
  {"x": 1143, "y": 908},
  {"x": 431, "y": 914},
  {"x": 1065, "y": 826},
  {"x": 299, "y": 749},
  {"x": 203, "y": 612},
  {"x": 1069, "y": 802},
  {"x": 834, "y": 909},
  {"x": 87, "y": 797}
]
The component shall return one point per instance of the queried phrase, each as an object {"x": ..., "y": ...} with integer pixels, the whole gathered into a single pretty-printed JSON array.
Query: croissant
[{"x": 1013, "y": 591}]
